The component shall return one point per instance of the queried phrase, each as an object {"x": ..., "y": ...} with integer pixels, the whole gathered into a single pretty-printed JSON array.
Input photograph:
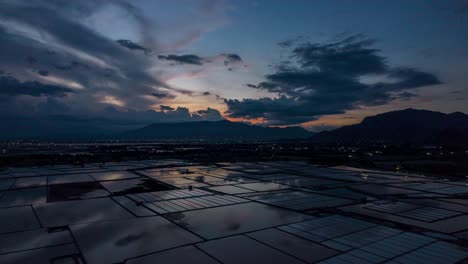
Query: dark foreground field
[{"x": 276, "y": 208}]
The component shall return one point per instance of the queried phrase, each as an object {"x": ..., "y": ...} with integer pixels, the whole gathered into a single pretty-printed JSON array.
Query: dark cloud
[
  {"x": 72, "y": 65},
  {"x": 166, "y": 108},
  {"x": 232, "y": 61},
  {"x": 167, "y": 114},
  {"x": 63, "y": 67},
  {"x": 405, "y": 95},
  {"x": 209, "y": 114},
  {"x": 286, "y": 43},
  {"x": 12, "y": 87},
  {"x": 230, "y": 58},
  {"x": 132, "y": 45},
  {"x": 183, "y": 59},
  {"x": 43, "y": 73},
  {"x": 52, "y": 106},
  {"x": 31, "y": 60},
  {"x": 212, "y": 94},
  {"x": 352, "y": 56},
  {"x": 412, "y": 78},
  {"x": 162, "y": 95},
  {"x": 59, "y": 59},
  {"x": 461, "y": 7},
  {"x": 251, "y": 85},
  {"x": 326, "y": 79},
  {"x": 74, "y": 55},
  {"x": 85, "y": 9},
  {"x": 290, "y": 42}
]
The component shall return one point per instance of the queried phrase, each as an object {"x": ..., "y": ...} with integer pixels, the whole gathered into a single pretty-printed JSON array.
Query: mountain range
[
  {"x": 403, "y": 126},
  {"x": 215, "y": 130}
]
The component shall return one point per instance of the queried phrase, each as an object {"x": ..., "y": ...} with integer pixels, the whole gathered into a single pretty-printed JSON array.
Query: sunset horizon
[
  {"x": 233, "y": 131},
  {"x": 248, "y": 61}
]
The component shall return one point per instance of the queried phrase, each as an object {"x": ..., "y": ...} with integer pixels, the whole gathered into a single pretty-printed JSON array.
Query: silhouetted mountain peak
[
  {"x": 408, "y": 125},
  {"x": 458, "y": 115}
]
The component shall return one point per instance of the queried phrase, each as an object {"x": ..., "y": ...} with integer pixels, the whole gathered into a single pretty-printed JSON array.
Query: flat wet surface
[
  {"x": 263, "y": 186},
  {"x": 17, "y": 219},
  {"x": 116, "y": 241},
  {"x": 230, "y": 189},
  {"x": 29, "y": 182},
  {"x": 243, "y": 249},
  {"x": 181, "y": 255},
  {"x": 171, "y": 211},
  {"x": 23, "y": 197},
  {"x": 72, "y": 212},
  {"x": 122, "y": 187},
  {"x": 5, "y": 184},
  {"x": 75, "y": 191},
  {"x": 234, "y": 219},
  {"x": 303, "y": 249},
  {"x": 72, "y": 178},
  {"x": 67, "y": 253},
  {"x": 113, "y": 175},
  {"x": 31, "y": 239}
]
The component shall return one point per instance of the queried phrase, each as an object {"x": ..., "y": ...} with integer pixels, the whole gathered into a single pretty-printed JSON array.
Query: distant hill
[
  {"x": 404, "y": 126},
  {"x": 214, "y": 130}
]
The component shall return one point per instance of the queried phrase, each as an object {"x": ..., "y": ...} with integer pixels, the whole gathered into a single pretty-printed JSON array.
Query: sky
[{"x": 316, "y": 64}]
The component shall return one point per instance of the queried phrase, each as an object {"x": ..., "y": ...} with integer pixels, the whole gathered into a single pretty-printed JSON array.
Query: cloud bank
[
  {"x": 64, "y": 58},
  {"x": 329, "y": 78}
]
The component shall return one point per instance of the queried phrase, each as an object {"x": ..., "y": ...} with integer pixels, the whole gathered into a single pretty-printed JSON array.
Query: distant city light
[{"x": 364, "y": 175}]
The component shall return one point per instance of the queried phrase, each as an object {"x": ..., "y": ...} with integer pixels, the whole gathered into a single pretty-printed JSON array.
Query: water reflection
[
  {"x": 23, "y": 197},
  {"x": 134, "y": 186},
  {"x": 234, "y": 219},
  {"x": 74, "y": 191},
  {"x": 66, "y": 213},
  {"x": 111, "y": 242}
]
